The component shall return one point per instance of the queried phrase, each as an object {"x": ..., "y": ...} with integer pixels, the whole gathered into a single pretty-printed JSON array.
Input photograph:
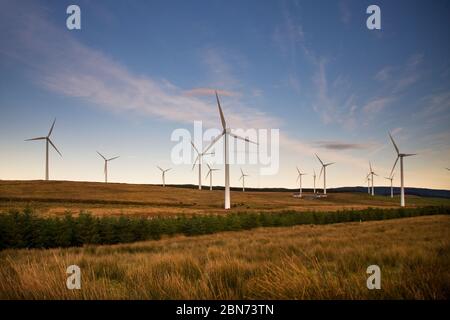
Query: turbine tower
[
  {"x": 163, "y": 173},
  {"x": 210, "y": 171},
  {"x": 106, "y": 165},
  {"x": 47, "y": 141},
  {"x": 199, "y": 158},
  {"x": 368, "y": 183},
  {"x": 392, "y": 188},
  {"x": 299, "y": 178},
  {"x": 400, "y": 156},
  {"x": 324, "y": 169},
  {"x": 243, "y": 175},
  {"x": 372, "y": 173},
  {"x": 314, "y": 176},
  {"x": 225, "y": 134}
]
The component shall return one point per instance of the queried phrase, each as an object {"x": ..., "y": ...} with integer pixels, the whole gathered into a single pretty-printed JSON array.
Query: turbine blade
[
  {"x": 195, "y": 148},
  {"x": 409, "y": 154},
  {"x": 113, "y": 158},
  {"x": 297, "y": 170},
  {"x": 393, "y": 142},
  {"x": 395, "y": 163},
  {"x": 167, "y": 169},
  {"x": 329, "y": 164},
  {"x": 209, "y": 167},
  {"x": 39, "y": 138},
  {"x": 195, "y": 162},
  {"x": 370, "y": 166},
  {"x": 214, "y": 141},
  {"x": 54, "y": 146},
  {"x": 319, "y": 159},
  {"x": 242, "y": 172},
  {"x": 51, "y": 129},
  {"x": 321, "y": 170},
  {"x": 241, "y": 138},
  {"x": 160, "y": 168},
  {"x": 207, "y": 174},
  {"x": 101, "y": 155},
  {"x": 222, "y": 118}
]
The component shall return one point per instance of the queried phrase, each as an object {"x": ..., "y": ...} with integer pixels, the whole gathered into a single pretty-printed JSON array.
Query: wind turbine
[
  {"x": 47, "y": 141},
  {"x": 243, "y": 175},
  {"x": 401, "y": 156},
  {"x": 324, "y": 169},
  {"x": 392, "y": 188},
  {"x": 106, "y": 165},
  {"x": 372, "y": 173},
  {"x": 299, "y": 178},
  {"x": 225, "y": 133},
  {"x": 447, "y": 169},
  {"x": 368, "y": 183},
  {"x": 199, "y": 158},
  {"x": 163, "y": 172},
  {"x": 314, "y": 176},
  {"x": 210, "y": 171}
]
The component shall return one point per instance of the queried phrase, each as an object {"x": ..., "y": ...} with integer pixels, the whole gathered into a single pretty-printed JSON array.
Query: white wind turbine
[
  {"x": 47, "y": 141},
  {"x": 324, "y": 169},
  {"x": 199, "y": 158},
  {"x": 392, "y": 187},
  {"x": 372, "y": 173},
  {"x": 314, "y": 176},
  {"x": 210, "y": 171},
  {"x": 106, "y": 165},
  {"x": 225, "y": 133},
  {"x": 401, "y": 156},
  {"x": 243, "y": 175},
  {"x": 368, "y": 183},
  {"x": 163, "y": 173},
  {"x": 299, "y": 178}
]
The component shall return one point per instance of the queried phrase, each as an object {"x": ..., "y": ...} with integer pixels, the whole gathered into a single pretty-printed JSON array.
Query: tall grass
[
  {"x": 27, "y": 230},
  {"x": 300, "y": 262}
]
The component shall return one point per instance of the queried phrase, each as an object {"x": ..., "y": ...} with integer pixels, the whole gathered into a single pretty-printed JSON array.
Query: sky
[{"x": 139, "y": 70}]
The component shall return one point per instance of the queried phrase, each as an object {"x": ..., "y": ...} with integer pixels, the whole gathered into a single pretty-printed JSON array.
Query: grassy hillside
[
  {"x": 56, "y": 197},
  {"x": 301, "y": 262}
]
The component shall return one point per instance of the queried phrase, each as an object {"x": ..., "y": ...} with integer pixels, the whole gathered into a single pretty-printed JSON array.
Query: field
[
  {"x": 57, "y": 197},
  {"x": 301, "y": 262},
  {"x": 314, "y": 261}
]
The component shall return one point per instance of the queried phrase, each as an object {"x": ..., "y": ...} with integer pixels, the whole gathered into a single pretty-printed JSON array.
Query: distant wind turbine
[
  {"x": 368, "y": 183},
  {"x": 324, "y": 170},
  {"x": 314, "y": 176},
  {"x": 163, "y": 173},
  {"x": 106, "y": 165},
  {"x": 199, "y": 159},
  {"x": 400, "y": 156},
  {"x": 447, "y": 169},
  {"x": 225, "y": 134},
  {"x": 47, "y": 141},
  {"x": 372, "y": 173},
  {"x": 210, "y": 171},
  {"x": 243, "y": 175},
  {"x": 299, "y": 178},
  {"x": 392, "y": 187}
]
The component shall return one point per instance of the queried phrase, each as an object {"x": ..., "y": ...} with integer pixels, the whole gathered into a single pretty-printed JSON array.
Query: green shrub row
[{"x": 27, "y": 230}]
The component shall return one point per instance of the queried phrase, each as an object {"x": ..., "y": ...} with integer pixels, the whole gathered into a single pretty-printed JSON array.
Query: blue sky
[{"x": 138, "y": 70}]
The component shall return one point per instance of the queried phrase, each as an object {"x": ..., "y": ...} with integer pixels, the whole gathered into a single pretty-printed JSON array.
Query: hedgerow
[{"x": 25, "y": 229}]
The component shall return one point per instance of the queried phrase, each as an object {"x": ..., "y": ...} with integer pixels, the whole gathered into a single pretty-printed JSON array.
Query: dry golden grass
[
  {"x": 302, "y": 262},
  {"x": 56, "y": 197}
]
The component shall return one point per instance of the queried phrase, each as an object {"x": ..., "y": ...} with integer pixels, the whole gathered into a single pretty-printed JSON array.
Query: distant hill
[{"x": 421, "y": 192}]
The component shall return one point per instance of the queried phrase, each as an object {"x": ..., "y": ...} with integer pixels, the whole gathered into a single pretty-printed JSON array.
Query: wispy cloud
[
  {"x": 210, "y": 92},
  {"x": 340, "y": 145},
  {"x": 345, "y": 12},
  {"x": 376, "y": 105}
]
